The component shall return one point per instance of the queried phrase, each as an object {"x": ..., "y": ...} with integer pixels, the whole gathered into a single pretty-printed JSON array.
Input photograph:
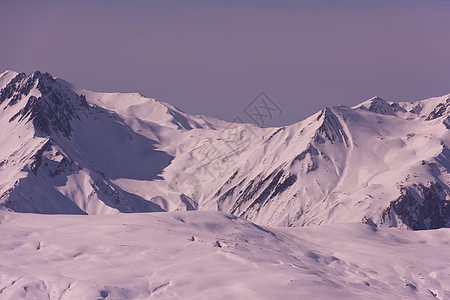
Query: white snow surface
[
  {"x": 129, "y": 153},
  {"x": 279, "y": 211},
  {"x": 209, "y": 255}
]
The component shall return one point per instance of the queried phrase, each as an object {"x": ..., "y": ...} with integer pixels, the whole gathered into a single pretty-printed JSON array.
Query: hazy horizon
[{"x": 215, "y": 58}]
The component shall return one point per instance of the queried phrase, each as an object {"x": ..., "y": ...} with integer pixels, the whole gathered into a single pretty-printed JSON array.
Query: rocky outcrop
[
  {"x": 381, "y": 106},
  {"x": 13, "y": 89},
  {"x": 52, "y": 112},
  {"x": 420, "y": 207},
  {"x": 442, "y": 109},
  {"x": 331, "y": 129}
]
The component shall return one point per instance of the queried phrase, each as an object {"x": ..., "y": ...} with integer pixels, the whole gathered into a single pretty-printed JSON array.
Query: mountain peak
[
  {"x": 136, "y": 106},
  {"x": 49, "y": 105},
  {"x": 331, "y": 128},
  {"x": 377, "y": 105},
  {"x": 376, "y": 98},
  {"x": 6, "y": 77}
]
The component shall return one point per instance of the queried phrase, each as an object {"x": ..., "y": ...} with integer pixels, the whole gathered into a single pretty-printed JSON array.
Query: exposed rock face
[
  {"x": 52, "y": 111},
  {"x": 13, "y": 90},
  {"x": 258, "y": 194},
  {"x": 331, "y": 128},
  {"x": 421, "y": 207},
  {"x": 381, "y": 106},
  {"x": 442, "y": 109}
]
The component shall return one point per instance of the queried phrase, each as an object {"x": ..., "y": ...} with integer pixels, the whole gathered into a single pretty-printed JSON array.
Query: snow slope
[
  {"x": 6, "y": 77},
  {"x": 69, "y": 150},
  {"x": 205, "y": 255},
  {"x": 91, "y": 156}
]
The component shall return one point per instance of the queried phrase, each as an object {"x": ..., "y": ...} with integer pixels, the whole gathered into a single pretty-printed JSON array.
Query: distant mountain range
[{"x": 66, "y": 150}]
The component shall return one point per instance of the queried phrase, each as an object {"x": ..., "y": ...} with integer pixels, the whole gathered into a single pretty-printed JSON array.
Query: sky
[{"x": 215, "y": 57}]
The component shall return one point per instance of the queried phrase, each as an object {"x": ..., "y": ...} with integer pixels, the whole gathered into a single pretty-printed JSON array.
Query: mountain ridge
[{"x": 70, "y": 150}]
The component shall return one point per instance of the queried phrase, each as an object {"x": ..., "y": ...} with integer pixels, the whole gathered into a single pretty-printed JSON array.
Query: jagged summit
[
  {"x": 52, "y": 103},
  {"x": 331, "y": 128},
  {"x": 441, "y": 110},
  {"x": 69, "y": 150},
  {"x": 49, "y": 105},
  {"x": 6, "y": 77},
  {"x": 427, "y": 109},
  {"x": 378, "y": 105}
]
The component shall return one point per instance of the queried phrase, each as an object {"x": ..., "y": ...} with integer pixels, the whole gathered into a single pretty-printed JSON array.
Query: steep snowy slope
[
  {"x": 344, "y": 165},
  {"x": 205, "y": 255},
  {"x": 69, "y": 150},
  {"x": 53, "y": 161},
  {"x": 6, "y": 77}
]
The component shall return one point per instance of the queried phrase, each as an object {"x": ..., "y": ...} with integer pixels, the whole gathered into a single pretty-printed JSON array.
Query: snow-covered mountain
[{"x": 68, "y": 150}]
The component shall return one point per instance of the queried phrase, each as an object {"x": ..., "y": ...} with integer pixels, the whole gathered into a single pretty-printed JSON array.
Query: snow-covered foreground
[{"x": 211, "y": 255}]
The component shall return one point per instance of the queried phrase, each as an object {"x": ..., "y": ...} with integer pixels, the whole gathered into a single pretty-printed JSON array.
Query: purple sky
[{"x": 214, "y": 57}]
